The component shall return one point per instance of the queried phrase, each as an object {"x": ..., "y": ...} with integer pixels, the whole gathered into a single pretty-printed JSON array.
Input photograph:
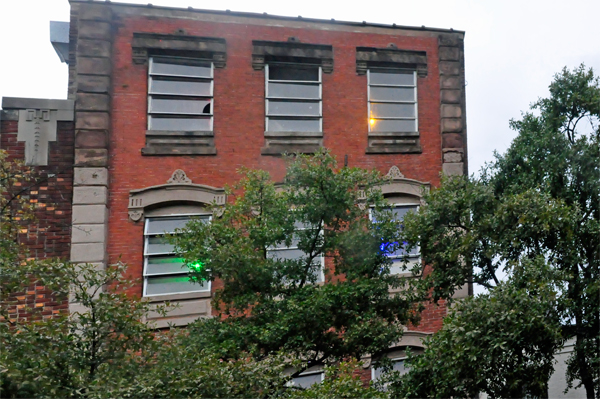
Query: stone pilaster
[
  {"x": 90, "y": 83},
  {"x": 452, "y": 102}
]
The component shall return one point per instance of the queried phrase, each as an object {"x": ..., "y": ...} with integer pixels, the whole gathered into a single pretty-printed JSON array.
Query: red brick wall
[
  {"x": 48, "y": 235},
  {"x": 239, "y": 116}
]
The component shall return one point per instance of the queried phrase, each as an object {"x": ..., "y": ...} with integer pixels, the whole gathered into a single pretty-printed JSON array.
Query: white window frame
[
  {"x": 370, "y": 118},
  {"x": 393, "y": 360},
  {"x": 269, "y": 97},
  {"x": 179, "y": 96},
  {"x": 206, "y": 287},
  {"x": 321, "y": 278},
  {"x": 414, "y": 258},
  {"x": 307, "y": 373}
]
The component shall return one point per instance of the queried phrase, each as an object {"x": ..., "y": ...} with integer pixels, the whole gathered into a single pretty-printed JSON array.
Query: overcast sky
[{"x": 512, "y": 48}]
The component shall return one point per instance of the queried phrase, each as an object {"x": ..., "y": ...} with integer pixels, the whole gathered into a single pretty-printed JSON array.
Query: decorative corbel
[
  {"x": 139, "y": 55},
  {"x": 258, "y": 62}
]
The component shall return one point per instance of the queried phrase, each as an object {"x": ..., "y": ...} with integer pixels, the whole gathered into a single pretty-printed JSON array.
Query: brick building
[{"x": 165, "y": 104}]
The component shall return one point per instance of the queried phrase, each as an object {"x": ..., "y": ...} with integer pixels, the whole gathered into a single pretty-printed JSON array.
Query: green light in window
[{"x": 196, "y": 266}]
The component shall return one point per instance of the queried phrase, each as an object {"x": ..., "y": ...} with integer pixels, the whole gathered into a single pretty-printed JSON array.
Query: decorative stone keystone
[
  {"x": 394, "y": 173},
  {"x": 179, "y": 176}
]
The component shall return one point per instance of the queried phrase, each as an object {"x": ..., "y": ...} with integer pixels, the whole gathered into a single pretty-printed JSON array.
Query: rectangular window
[
  {"x": 397, "y": 365},
  {"x": 308, "y": 378},
  {"x": 180, "y": 94},
  {"x": 164, "y": 272},
  {"x": 398, "y": 212},
  {"x": 293, "y": 98},
  {"x": 293, "y": 253},
  {"x": 392, "y": 100}
]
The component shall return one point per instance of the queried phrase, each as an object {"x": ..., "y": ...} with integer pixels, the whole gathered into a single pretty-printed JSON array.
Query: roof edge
[{"x": 272, "y": 16}]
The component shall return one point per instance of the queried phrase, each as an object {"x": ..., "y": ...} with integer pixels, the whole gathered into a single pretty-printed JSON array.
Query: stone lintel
[
  {"x": 145, "y": 43},
  {"x": 264, "y": 51},
  {"x": 393, "y": 57}
]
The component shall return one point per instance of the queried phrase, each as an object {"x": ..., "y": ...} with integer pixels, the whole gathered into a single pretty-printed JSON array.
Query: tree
[
  {"x": 501, "y": 343},
  {"x": 66, "y": 355},
  {"x": 536, "y": 205},
  {"x": 108, "y": 350},
  {"x": 272, "y": 301},
  {"x": 80, "y": 354}
]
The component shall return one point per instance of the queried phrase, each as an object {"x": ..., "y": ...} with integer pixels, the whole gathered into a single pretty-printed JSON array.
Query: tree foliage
[
  {"x": 501, "y": 343},
  {"x": 535, "y": 207},
  {"x": 106, "y": 349},
  {"x": 269, "y": 303},
  {"x": 82, "y": 353}
]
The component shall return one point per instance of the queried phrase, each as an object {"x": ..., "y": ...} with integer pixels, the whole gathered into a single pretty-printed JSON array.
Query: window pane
[
  {"x": 158, "y": 245},
  {"x": 165, "y": 265},
  {"x": 296, "y": 254},
  {"x": 400, "y": 252},
  {"x": 176, "y": 106},
  {"x": 393, "y": 125},
  {"x": 401, "y": 211},
  {"x": 398, "y": 212},
  {"x": 397, "y": 365},
  {"x": 293, "y": 243},
  {"x": 164, "y": 225},
  {"x": 392, "y": 78},
  {"x": 387, "y": 110},
  {"x": 391, "y": 94},
  {"x": 291, "y": 90},
  {"x": 294, "y": 125},
  {"x": 178, "y": 87},
  {"x": 293, "y": 73},
  {"x": 305, "y": 381},
  {"x": 180, "y": 124},
  {"x": 286, "y": 254},
  {"x": 175, "y": 69},
  {"x": 172, "y": 285},
  {"x": 294, "y": 108}
]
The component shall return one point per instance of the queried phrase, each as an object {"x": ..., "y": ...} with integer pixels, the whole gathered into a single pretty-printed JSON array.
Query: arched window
[
  {"x": 404, "y": 196},
  {"x": 163, "y": 209}
]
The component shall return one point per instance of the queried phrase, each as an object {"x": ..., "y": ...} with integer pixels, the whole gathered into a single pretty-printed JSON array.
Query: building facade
[{"x": 167, "y": 104}]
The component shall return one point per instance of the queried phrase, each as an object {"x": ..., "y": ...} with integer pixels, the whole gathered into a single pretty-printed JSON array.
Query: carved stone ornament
[
  {"x": 179, "y": 177},
  {"x": 136, "y": 214},
  {"x": 394, "y": 173}
]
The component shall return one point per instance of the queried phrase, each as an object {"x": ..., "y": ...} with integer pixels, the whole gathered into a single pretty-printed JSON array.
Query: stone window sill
[
  {"x": 164, "y": 142},
  {"x": 394, "y": 143},
  {"x": 278, "y": 143}
]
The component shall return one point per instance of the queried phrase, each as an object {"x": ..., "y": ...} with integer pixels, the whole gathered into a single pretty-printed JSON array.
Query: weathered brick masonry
[
  {"x": 48, "y": 235},
  {"x": 122, "y": 172},
  {"x": 109, "y": 83}
]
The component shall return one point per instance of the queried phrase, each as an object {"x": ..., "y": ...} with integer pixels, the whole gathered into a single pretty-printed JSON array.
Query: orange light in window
[{"x": 372, "y": 121}]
